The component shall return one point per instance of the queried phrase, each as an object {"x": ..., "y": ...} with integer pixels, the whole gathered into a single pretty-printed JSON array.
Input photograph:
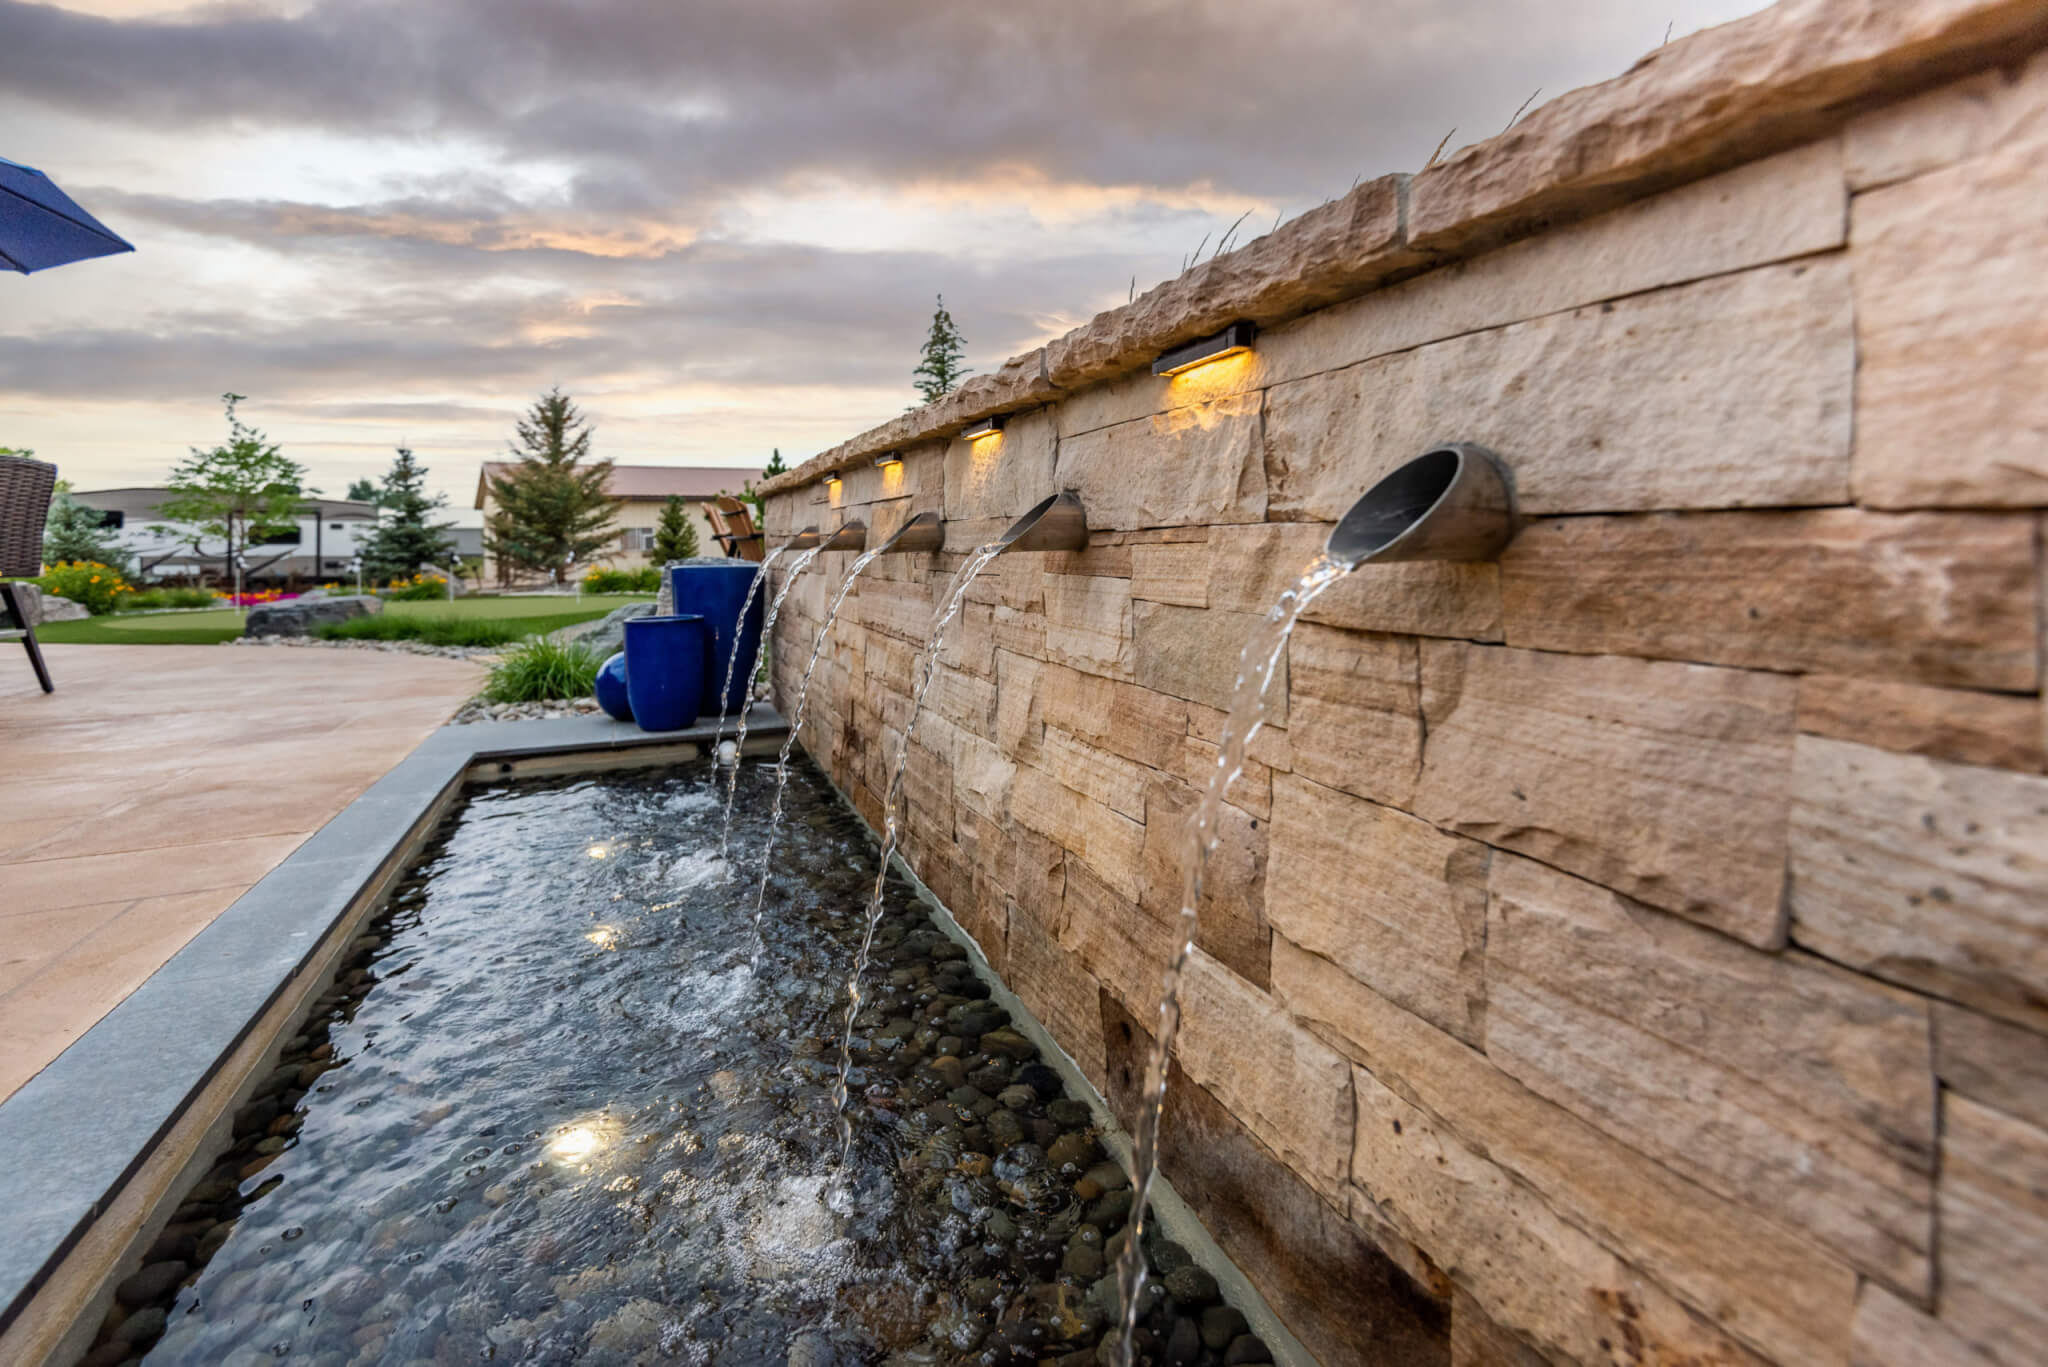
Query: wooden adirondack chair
[{"x": 746, "y": 542}]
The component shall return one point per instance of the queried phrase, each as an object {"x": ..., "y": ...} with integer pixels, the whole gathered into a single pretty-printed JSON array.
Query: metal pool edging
[{"x": 170, "y": 1060}]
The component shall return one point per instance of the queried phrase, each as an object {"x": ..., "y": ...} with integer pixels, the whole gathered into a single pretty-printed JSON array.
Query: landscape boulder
[
  {"x": 606, "y": 637},
  {"x": 297, "y": 616},
  {"x": 48, "y": 607}
]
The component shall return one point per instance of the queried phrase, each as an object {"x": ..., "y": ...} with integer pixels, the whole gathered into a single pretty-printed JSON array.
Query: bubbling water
[{"x": 1257, "y": 664}]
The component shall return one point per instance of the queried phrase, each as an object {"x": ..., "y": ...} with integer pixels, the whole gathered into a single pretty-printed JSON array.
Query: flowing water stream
[
  {"x": 1257, "y": 664},
  {"x": 732, "y": 780},
  {"x": 731, "y": 663},
  {"x": 956, "y": 594},
  {"x": 796, "y": 725}
]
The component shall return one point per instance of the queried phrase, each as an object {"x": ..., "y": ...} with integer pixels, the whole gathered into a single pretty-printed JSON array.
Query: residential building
[{"x": 641, "y": 490}]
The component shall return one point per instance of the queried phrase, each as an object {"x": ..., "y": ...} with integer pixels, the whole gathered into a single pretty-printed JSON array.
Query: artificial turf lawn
[{"x": 532, "y": 615}]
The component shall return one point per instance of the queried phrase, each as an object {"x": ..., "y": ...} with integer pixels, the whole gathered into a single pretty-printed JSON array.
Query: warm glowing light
[
  {"x": 1232, "y": 341},
  {"x": 1217, "y": 379},
  {"x": 889, "y": 458},
  {"x": 984, "y": 427},
  {"x": 832, "y": 487},
  {"x": 582, "y": 1140}
]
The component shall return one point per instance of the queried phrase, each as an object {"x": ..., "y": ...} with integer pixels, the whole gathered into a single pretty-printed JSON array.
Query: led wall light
[
  {"x": 1229, "y": 342},
  {"x": 985, "y": 427},
  {"x": 888, "y": 458}
]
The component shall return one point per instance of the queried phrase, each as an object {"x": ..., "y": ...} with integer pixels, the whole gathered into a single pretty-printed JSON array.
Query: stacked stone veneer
[{"x": 1633, "y": 951}]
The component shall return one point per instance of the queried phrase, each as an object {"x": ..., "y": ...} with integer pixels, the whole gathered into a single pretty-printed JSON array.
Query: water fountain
[
  {"x": 1055, "y": 524},
  {"x": 921, "y": 533},
  {"x": 1453, "y": 502}
]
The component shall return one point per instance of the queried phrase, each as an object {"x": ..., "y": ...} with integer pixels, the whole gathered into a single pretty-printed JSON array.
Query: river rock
[{"x": 153, "y": 1283}]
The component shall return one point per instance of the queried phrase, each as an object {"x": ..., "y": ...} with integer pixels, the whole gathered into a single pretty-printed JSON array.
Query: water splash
[
  {"x": 732, "y": 778},
  {"x": 796, "y": 724},
  {"x": 1256, "y": 665},
  {"x": 956, "y": 594}
]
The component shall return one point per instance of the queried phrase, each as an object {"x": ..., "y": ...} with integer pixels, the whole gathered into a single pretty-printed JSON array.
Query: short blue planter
[
  {"x": 715, "y": 591},
  {"x": 611, "y": 688},
  {"x": 666, "y": 660}
]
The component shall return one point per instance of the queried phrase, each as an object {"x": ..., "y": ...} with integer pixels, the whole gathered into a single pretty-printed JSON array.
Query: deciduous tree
[{"x": 241, "y": 491}]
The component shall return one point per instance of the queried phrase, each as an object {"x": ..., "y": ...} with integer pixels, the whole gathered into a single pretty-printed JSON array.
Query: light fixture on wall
[
  {"x": 984, "y": 427},
  {"x": 889, "y": 458},
  {"x": 1232, "y": 341}
]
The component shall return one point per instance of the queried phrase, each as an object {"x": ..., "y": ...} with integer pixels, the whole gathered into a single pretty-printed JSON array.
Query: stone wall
[{"x": 1635, "y": 951}]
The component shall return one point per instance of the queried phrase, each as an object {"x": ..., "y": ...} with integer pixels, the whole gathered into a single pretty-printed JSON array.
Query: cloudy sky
[{"x": 718, "y": 223}]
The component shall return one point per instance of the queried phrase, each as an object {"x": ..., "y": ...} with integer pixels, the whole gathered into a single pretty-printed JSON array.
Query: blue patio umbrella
[{"x": 41, "y": 226}]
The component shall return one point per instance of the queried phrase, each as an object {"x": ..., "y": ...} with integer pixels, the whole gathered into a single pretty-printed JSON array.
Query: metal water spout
[
  {"x": 1057, "y": 524},
  {"x": 1452, "y": 502},
  {"x": 851, "y": 536},
  {"x": 925, "y": 532}
]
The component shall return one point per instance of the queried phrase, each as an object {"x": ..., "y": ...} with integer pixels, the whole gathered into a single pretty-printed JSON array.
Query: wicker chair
[{"x": 25, "y": 487}]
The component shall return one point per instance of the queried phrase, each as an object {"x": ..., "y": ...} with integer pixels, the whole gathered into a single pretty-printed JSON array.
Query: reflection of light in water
[
  {"x": 600, "y": 849},
  {"x": 728, "y": 752},
  {"x": 604, "y": 937},
  {"x": 580, "y": 1141}
]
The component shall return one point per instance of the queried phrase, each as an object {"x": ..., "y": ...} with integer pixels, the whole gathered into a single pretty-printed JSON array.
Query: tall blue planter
[
  {"x": 714, "y": 592},
  {"x": 666, "y": 661}
]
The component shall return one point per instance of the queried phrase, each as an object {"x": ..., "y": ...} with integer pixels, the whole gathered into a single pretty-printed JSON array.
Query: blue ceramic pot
[
  {"x": 714, "y": 592},
  {"x": 666, "y": 659},
  {"x": 611, "y": 688}
]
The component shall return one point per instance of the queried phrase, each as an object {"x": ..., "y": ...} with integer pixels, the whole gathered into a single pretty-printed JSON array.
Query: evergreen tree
[
  {"x": 406, "y": 539},
  {"x": 553, "y": 507},
  {"x": 942, "y": 365},
  {"x": 242, "y": 492},
  {"x": 73, "y": 531},
  {"x": 366, "y": 491},
  {"x": 675, "y": 536}
]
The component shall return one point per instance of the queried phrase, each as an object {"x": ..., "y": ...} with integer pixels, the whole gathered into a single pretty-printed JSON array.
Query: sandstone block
[
  {"x": 1290, "y": 1090},
  {"x": 1231, "y": 920},
  {"x": 1924, "y": 873},
  {"x": 1195, "y": 654},
  {"x": 1987, "y": 112},
  {"x": 1940, "y": 723},
  {"x": 1477, "y": 1341},
  {"x": 1019, "y": 631},
  {"x": 971, "y": 641},
  {"x": 1891, "y": 1333},
  {"x": 1668, "y": 782},
  {"x": 1356, "y": 704},
  {"x": 1088, "y": 623},
  {"x": 1346, "y": 1294},
  {"x": 1002, "y": 476},
  {"x": 1033, "y": 870},
  {"x": 1773, "y": 1288},
  {"x": 1994, "y": 1231},
  {"x": 1172, "y": 572},
  {"x": 1020, "y": 718},
  {"x": 1942, "y": 598},
  {"x": 981, "y": 775},
  {"x": 1109, "y": 779},
  {"x": 1391, "y": 900},
  {"x": 1766, "y": 211},
  {"x": 1416, "y": 598},
  {"x": 1113, "y": 940},
  {"x": 1200, "y": 765},
  {"x": 1112, "y": 845},
  {"x": 1194, "y": 465},
  {"x": 1989, "y": 1061},
  {"x": 1057, "y": 990},
  {"x": 1124, "y": 719},
  {"x": 1588, "y": 409},
  {"x": 903, "y": 611},
  {"x": 1527, "y": 1268},
  {"x": 1951, "y": 334},
  {"x": 1781, "y": 1081}
]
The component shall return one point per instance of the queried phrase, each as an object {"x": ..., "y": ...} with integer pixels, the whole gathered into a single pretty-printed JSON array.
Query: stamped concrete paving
[{"x": 155, "y": 786}]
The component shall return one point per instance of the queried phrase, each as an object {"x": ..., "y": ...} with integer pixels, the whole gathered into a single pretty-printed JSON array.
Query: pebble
[
  {"x": 1245, "y": 1351},
  {"x": 154, "y": 1282},
  {"x": 1191, "y": 1285},
  {"x": 1222, "y": 1325}
]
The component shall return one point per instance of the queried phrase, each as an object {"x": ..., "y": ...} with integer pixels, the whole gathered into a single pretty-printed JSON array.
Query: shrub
[
  {"x": 434, "y": 631},
  {"x": 99, "y": 587},
  {"x": 143, "y": 600},
  {"x": 419, "y": 588},
  {"x": 646, "y": 579},
  {"x": 540, "y": 669}
]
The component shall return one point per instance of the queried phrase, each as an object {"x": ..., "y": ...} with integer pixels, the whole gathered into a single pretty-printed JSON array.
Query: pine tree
[
  {"x": 675, "y": 536},
  {"x": 553, "y": 507},
  {"x": 942, "y": 365},
  {"x": 73, "y": 531},
  {"x": 406, "y": 540},
  {"x": 365, "y": 491},
  {"x": 241, "y": 492}
]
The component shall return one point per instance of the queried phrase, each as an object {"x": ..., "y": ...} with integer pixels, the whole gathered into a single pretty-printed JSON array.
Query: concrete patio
[{"x": 155, "y": 787}]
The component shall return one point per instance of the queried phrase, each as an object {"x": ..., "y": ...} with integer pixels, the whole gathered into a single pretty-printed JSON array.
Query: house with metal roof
[{"x": 641, "y": 490}]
